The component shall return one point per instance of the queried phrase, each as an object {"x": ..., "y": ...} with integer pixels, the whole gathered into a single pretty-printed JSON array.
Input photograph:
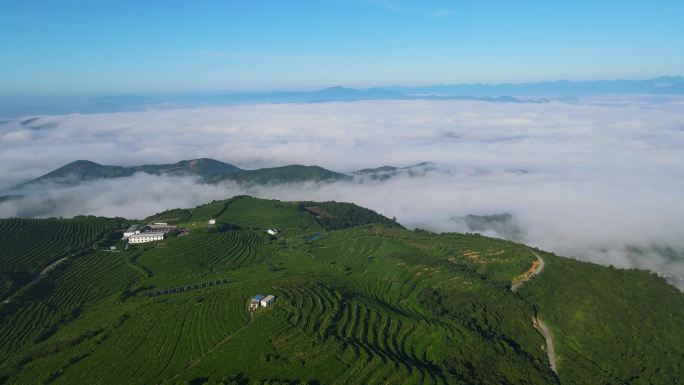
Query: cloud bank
[{"x": 599, "y": 181}]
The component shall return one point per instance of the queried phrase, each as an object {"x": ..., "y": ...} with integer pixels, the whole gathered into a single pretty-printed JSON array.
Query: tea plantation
[{"x": 359, "y": 300}]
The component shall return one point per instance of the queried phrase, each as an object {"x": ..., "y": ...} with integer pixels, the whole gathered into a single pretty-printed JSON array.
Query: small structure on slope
[
  {"x": 260, "y": 301},
  {"x": 273, "y": 231},
  {"x": 267, "y": 301},
  {"x": 256, "y": 301},
  {"x": 212, "y": 221}
]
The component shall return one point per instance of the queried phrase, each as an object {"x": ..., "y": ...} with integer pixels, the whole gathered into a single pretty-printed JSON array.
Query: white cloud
[{"x": 598, "y": 177}]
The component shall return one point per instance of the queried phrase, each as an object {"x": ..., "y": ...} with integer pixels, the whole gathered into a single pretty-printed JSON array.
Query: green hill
[
  {"x": 82, "y": 170},
  {"x": 208, "y": 170},
  {"x": 359, "y": 300},
  {"x": 284, "y": 174}
]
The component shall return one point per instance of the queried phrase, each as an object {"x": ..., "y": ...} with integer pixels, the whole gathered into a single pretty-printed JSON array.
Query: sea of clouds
[{"x": 600, "y": 181}]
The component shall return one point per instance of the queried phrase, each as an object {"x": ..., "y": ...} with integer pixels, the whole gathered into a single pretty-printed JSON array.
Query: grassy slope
[{"x": 372, "y": 303}]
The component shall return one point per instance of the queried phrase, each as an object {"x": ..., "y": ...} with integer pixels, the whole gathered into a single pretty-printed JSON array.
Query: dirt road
[
  {"x": 548, "y": 337},
  {"x": 540, "y": 266}
]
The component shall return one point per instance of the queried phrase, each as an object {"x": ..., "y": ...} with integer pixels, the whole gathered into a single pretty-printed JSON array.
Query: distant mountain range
[
  {"x": 209, "y": 171},
  {"x": 330, "y": 94},
  {"x": 212, "y": 171},
  {"x": 664, "y": 85},
  {"x": 504, "y": 92}
]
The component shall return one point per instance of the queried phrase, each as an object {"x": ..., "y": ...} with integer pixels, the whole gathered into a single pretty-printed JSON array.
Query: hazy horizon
[{"x": 124, "y": 47}]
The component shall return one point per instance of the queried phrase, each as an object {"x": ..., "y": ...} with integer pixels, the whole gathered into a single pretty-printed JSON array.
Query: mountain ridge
[
  {"x": 88, "y": 170},
  {"x": 207, "y": 169},
  {"x": 214, "y": 171},
  {"x": 663, "y": 85},
  {"x": 525, "y": 92}
]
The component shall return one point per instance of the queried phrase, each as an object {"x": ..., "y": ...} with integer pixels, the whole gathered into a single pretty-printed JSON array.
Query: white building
[
  {"x": 146, "y": 237},
  {"x": 272, "y": 231},
  {"x": 267, "y": 301},
  {"x": 212, "y": 221}
]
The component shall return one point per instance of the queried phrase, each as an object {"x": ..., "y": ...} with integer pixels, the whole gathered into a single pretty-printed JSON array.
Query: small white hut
[
  {"x": 273, "y": 231},
  {"x": 265, "y": 302}
]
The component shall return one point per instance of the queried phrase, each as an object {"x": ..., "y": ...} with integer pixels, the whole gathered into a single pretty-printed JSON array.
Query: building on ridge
[{"x": 146, "y": 237}]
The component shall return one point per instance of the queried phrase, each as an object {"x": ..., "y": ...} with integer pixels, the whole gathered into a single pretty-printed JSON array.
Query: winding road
[
  {"x": 517, "y": 284},
  {"x": 538, "y": 324}
]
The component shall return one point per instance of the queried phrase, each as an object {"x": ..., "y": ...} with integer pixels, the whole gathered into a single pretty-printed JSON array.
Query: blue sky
[{"x": 94, "y": 47}]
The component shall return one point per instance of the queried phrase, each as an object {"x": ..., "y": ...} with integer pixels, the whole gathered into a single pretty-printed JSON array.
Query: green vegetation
[
  {"x": 364, "y": 301},
  {"x": 87, "y": 170},
  {"x": 336, "y": 216},
  {"x": 613, "y": 335},
  {"x": 208, "y": 170},
  {"x": 27, "y": 246},
  {"x": 285, "y": 174}
]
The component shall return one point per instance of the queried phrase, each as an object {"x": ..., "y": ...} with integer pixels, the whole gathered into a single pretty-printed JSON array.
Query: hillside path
[
  {"x": 540, "y": 267},
  {"x": 548, "y": 337},
  {"x": 40, "y": 276},
  {"x": 199, "y": 359}
]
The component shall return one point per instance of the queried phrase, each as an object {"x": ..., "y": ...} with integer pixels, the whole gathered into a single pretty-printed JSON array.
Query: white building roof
[{"x": 150, "y": 234}]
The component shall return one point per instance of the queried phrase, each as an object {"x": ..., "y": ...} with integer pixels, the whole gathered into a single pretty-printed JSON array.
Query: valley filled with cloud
[{"x": 599, "y": 180}]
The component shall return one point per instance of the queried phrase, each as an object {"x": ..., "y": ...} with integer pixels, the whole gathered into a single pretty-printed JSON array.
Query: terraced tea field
[
  {"x": 28, "y": 246},
  {"x": 370, "y": 303}
]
